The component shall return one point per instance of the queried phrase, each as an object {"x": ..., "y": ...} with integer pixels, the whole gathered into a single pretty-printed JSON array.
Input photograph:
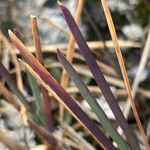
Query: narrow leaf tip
[
  {"x": 59, "y": 54},
  {"x": 58, "y": 51},
  {"x": 59, "y": 3},
  {"x": 32, "y": 16},
  {"x": 10, "y": 33}
]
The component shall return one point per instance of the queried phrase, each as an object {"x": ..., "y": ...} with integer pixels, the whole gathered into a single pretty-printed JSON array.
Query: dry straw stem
[
  {"x": 144, "y": 92},
  {"x": 142, "y": 64},
  {"x": 117, "y": 93},
  {"x": 20, "y": 106},
  {"x": 10, "y": 48},
  {"x": 46, "y": 136},
  {"x": 10, "y": 142},
  {"x": 41, "y": 132},
  {"x": 94, "y": 45},
  {"x": 69, "y": 55},
  {"x": 73, "y": 138},
  {"x": 123, "y": 69},
  {"x": 92, "y": 89},
  {"x": 69, "y": 142},
  {"x": 83, "y": 70},
  {"x": 54, "y": 95},
  {"x": 106, "y": 68},
  {"x": 111, "y": 80},
  {"x": 40, "y": 147},
  {"x": 54, "y": 25},
  {"x": 36, "y": 38},
  {"x": 77, "y": 137},
  {"x": 8, "y": 96}
]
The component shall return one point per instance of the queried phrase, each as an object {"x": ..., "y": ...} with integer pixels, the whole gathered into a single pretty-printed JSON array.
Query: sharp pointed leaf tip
[
  {"x": 58, "y": 52},
  {"x": 59, "y": 3},
  {"x": 20, "y": 60},
  {"x": 60, "y": 56},
  {"x": 63, "y": 7},
  {"x": 13, "y": 36},
  {"x": 32, "y": 16},
  {"x": 10, "y": 33}
]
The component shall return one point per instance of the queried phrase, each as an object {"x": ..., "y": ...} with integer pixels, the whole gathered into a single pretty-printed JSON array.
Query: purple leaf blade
[
  {"x": 100, "y": 80},
  {"x": 62, "y": 94}
]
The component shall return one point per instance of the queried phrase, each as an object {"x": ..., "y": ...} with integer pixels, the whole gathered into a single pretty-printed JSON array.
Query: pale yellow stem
[
  {"x": 10, "y": 48},
  {"x": 123, "y": 69},
  {"x": 69, "y": 55}
]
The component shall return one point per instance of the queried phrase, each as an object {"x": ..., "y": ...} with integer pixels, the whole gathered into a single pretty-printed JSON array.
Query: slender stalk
[
  {"x": 9, "y": 47},
  {"x": 140, "y": 70},
  {"x": 35, "y": 33},
  {"x": 75, "y": 136},
  {"x": 8, "y": 78},
  {"x": 123, "y": 69},
  {"x": 93, "y": 45},
  {"x": 9, "y": 97},
  {"x": 47, "y": 102},
  {"x": 40, "y": 131},
  {"x": 10, "y": 142},
  {"x": 54, "y": 25},
  {"x": 69, "y": 55}
]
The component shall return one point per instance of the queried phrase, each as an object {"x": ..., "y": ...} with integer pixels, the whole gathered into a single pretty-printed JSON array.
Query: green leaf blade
[
  {"x": 38, "y": 100},
  {"x": 92, "y": 102}
]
